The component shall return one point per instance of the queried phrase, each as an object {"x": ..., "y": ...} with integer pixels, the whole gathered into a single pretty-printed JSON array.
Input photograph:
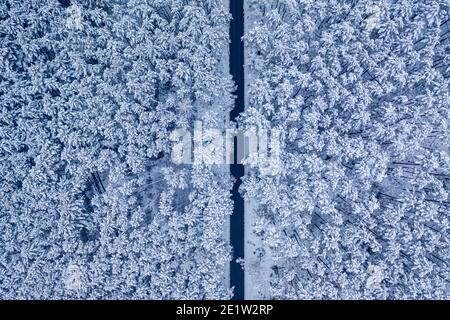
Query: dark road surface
[{"x": 237, "y": 170}]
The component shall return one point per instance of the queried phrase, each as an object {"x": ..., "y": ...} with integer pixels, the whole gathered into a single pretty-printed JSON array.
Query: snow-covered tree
[
  {"x": 90, "y": 204},
  {"x": 359, "y": 90}
]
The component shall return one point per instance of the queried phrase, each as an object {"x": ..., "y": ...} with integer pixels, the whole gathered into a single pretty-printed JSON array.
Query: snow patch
[
  {"x": 74, "y": 17},
  {"x": 375, "y": 277},
  {"x": 72, "y": 277}
]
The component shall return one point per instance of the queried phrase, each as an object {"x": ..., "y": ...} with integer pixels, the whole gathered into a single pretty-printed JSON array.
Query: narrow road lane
[{"x": 237, "y": 170}]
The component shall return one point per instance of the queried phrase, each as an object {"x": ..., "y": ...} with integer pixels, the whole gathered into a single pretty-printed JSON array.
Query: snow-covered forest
[
  {"x": 360, "y": 91},
  {"x": 90, "y": 204},
  {"x": 93, "y": 205}
]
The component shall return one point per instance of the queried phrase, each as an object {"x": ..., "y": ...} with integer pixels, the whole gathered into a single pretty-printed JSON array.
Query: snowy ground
[{"x": 226, "y": 71}]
